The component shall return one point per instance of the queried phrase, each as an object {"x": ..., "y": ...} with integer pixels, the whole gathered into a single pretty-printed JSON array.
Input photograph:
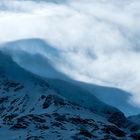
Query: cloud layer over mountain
[{"x": 95, "y": 41}]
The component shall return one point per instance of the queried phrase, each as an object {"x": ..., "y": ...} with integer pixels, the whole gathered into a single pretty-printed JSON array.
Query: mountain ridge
[
  {"x": 35, "y": 55},
  {"x": 35, "y": 109}
]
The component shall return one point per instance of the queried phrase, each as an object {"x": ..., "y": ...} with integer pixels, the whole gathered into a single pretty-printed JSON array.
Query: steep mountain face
[{"x": 34, "y": 108}]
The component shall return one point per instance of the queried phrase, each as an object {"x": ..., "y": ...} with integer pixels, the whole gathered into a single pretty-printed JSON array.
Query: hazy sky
[{"x": 98, "y": 41}]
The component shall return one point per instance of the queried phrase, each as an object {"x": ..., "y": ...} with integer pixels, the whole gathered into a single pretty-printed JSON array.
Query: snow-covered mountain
[
  {"x": 36, "y": 108},
  {"x": 39, "y": 57},
  {"x": 69, "y": 70}
]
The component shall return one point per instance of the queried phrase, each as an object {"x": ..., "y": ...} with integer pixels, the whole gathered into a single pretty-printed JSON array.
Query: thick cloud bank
[{"x": 96, "y": 41}]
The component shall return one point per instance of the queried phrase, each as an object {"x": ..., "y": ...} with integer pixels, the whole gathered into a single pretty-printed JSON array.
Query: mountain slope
[
  {"x": 33, "y": 108},
  {"x": 40, "y": 57},
  {"x": 66, "y": 89},
  {"x": 135, "y": 118}
]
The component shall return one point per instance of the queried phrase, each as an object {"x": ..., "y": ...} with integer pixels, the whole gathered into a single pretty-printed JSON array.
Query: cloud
[{"x": 97, "y": 40}]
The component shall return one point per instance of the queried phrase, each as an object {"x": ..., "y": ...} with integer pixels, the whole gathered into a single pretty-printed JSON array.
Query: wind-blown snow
[
  {"x": 94, "y": 41},
  {"x": 41, "y": 64}
]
